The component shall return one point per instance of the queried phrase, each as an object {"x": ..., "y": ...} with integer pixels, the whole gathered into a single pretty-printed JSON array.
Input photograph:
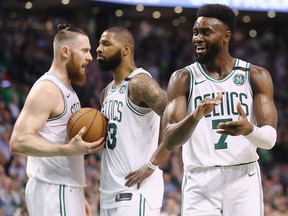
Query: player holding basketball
[
  {"x": 221, "y": 110},
  {"x": 133, "y": 103},
  {"x": 55, "y": 165}
]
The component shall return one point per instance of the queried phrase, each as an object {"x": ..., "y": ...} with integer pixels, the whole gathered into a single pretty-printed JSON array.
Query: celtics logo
[
  {"x": 122, "y": 89},
  {"x": 239, "y": 79}
]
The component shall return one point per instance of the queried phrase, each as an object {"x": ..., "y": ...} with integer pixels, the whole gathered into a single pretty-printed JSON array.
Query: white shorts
[
  {"x": 137, "y": 206},
  {"x": 223, "y": 191},
  {"x": 53, "y": 200}
]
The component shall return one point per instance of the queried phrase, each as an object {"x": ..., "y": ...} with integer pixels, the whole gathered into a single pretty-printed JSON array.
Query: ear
[
  {"x": 126, "y": 49},
  {"x": 227, "y": 36},
  {"x": 65, "y": 51}
]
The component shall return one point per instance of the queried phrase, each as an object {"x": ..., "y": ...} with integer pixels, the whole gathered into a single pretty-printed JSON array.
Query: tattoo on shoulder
[{"x": 146, "y": 91}]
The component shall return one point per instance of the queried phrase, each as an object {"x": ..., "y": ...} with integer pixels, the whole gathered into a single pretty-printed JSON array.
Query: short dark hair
[
  {"x": 122, "y": 34},
  {"x": 220, "y": 12}
]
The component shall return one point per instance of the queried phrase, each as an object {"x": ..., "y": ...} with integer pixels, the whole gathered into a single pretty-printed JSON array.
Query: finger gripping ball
[{"x": 92, "y": 119}]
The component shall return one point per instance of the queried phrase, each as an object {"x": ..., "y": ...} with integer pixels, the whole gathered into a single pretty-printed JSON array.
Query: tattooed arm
[{"x": 144, "y": 91}]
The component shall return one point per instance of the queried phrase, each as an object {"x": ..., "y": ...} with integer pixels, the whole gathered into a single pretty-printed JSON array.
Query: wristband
[
  {"x": 151, "y": 165},
  {"x": 262, "y": 137}
]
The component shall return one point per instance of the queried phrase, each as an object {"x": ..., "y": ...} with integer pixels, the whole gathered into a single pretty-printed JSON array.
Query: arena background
[{"x": 163, "y": 44}]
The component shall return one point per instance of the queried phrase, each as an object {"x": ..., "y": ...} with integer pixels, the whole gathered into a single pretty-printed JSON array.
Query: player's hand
[
  {"x": 206, "y": 106},
  {"x": 88, "y": 211},
  {"x": 234, "y": 128},
  {"x": 77, "y": 146},
  {"x": 138, "y": 176}
]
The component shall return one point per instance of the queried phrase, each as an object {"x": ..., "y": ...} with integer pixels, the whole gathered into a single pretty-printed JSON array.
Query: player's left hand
[
  {"x": 234, "y": 128},
  {"x": 138, "y": 176}
]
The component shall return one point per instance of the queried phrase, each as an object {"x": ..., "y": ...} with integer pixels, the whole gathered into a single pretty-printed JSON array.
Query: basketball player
[
  {"x": 133, "y": 103},
  {"x": 55, "y": 165},
  {"x": 220, "y": 109}
]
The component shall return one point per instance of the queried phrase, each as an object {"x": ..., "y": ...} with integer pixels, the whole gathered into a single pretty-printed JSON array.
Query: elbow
[{"x": 15, "y": 146}]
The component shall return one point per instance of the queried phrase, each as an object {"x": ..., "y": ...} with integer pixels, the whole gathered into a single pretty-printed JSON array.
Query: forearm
[
  {"x": 160, "y": 155},
  {"x": 263, "y": 137},
  {"x": 177, "y": 134},
  {"x": 30, "y": 145}
]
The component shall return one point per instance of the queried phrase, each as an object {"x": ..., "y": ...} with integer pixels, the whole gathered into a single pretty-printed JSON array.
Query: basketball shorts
[
  {"x": 223, "y": 191},
  {"x": 47, "y": 199},
  {"x": 137, "y": 206}
]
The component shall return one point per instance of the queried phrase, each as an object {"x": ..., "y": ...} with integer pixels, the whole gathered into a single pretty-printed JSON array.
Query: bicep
[
  {"x": 264, "y": 107},
  {"x": 37, "y": 109},
  {"x": 145, "y": 91},
  {"x": 177, "y": 101}
]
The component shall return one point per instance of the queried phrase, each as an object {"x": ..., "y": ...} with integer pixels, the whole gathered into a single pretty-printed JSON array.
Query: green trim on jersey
[
  {"x": 191, "y": 84},
  {"x": 64, "y": 99},
  {"x": 64, "y": 111},
  {"x": 203, "y": 71},
  {"x": 130, "y": 106}
]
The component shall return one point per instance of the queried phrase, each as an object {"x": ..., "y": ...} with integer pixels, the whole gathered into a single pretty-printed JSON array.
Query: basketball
[{"x": 92, "y": 119}]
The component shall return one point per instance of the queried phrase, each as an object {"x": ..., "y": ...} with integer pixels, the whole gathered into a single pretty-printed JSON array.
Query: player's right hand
[
  {"x": 206, "y": 106},
  {"x": 77, "y": 146}
]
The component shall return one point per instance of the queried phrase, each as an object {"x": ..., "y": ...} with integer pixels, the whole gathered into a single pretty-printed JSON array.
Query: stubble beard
[{"x": 210, "y": 55}]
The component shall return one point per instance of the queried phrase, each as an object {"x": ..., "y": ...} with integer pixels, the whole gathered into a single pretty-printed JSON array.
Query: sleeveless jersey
[
  {"x": 132, "y": 138},
  {"x": 206, "y": 148},
  {"x": 64, "y": 170}
]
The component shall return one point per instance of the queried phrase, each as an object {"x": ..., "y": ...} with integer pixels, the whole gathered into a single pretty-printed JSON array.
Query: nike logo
[
  {"x": 197, "y": 83},
  {"x": 68, "y": 95},
  {"x": 251, "y": 174}
]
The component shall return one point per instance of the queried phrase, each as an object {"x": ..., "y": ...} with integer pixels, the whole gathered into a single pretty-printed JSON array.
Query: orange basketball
[{"x": 92, "y": 119}]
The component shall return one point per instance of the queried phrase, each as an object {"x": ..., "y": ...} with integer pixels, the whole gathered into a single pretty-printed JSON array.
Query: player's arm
[
  {"x": 144, "y": 91},
  {"x": 44, "y": 100},
  {"x": 102, "y": 97},
  {"x": 177, "y": 126},
  {"x": 264, "y": 134},
  {"x": 160, "y": 155},
  {"x": 264, "y": 107}
]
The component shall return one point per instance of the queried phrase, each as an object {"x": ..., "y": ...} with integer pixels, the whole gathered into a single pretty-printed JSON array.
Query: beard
[
  {"x": 74, "y": 72},
  {"x": 210, "y": 55},
  {"x": 110, "y": 63}
]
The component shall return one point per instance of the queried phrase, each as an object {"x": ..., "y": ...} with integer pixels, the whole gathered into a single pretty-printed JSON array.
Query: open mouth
[{"x": 200, "y": 49}]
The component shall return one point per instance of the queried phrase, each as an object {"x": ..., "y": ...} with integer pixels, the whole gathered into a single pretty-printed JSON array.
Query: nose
[
  {"x": 197, "y": 38},
  {"x": 99, "y": 49},
  {"x": 89, "y": 57}
]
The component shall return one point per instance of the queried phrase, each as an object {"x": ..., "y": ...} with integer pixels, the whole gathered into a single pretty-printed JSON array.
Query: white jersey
[
  {"x": 206, "y": 148},
  {"x": 132, "y": 138},
  {"x": 64, "y": 170}
]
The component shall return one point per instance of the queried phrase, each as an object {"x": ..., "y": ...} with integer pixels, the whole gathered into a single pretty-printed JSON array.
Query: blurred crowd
[{"x": 26, "y": 53}]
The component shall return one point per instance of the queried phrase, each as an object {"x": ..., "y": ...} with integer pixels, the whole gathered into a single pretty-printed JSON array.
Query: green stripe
[
  {"x": 235, "y": 164},
  {"x": 142, "y": 203},
  {"x": 260, "y": 191},
  {"x": 191, "y": 84},
  {"x": 62, "y": 200},
  {"x": 137, "y": 112},
  {"x": 64, "y": 111}
]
